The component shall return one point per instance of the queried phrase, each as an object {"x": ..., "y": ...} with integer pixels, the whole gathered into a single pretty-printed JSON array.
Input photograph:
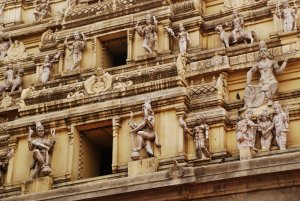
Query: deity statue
[
  {"x": 76, "y": 49},
  {"x": 41, "y": 146},
  {"x": 144, "y": 132},
  {"x": 289, "y": 16},
  {"x": 4, "y": 164},
  {"x": 149, "y": 32},
  {"x": 4, "y": 45},
  {"x": 257, "y": 95},
  {"x": 182, "y": 37},
  {"x": 246, "y": 131},
  {"x": 238, "y": 25},
  {"x": 199, "y": 134},
  {"x": 265, "y": 127},
  {"x": 45, "y": 72},
  {"x": 12, "y": 80},
  {"x": 281, "y": 124},
  {"x": 42, "y": 9}
]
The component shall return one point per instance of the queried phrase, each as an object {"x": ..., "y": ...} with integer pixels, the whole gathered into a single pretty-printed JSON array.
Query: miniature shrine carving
[
  {"x": 144, "y": 132},
  {"x": 149, "y": 33},
  {"x": 48, "y": 37},
  {"x": 41, "y": 146},
  {"x": 77, "y": 47},
  {"x": 44, "y": 74},
  {"x": 182, "y": 37},
  {"x": 288, "y": 14},
  {"x": 95, "y": 84},
  {"x": 12, "y": 79},
  {"x": 42, "y": 9}
]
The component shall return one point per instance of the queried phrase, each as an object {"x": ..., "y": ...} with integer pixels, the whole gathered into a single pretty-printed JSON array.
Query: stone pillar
[
  {"x": 166, "y": 37},
  {"x": 61, "y": 48},
  {"x": 180, "y": 112},
  {"x": 94, "y": 57},
  {"x": 129, "y": 45},
  {"x": 217, "y": 141},
  {"x": 116, "y": 128},
  {"x": 9, "y": 173},
  {"x": 41, "y": 184},
  {"x": 245, "y": 153}
]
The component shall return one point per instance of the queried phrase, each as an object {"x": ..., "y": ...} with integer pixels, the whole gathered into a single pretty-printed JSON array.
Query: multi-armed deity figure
[
  {"x": 199, "y": 134},
  {"x": 144, "y": 132},
  {"x": 76, "y": 49},
  {"x": 265, "y": 126},
  {"x": 289, "y": 15},
  {"x": 12, "y": 80},
  {"x": 41, "y": 146},
  {"x": 257, "y": 95},
  {"x": 246, "y": 131},
  {"x": 4, "y": 45},
  {"x": 281, "y": 124},
  {"x": 42, "y": 9},
  {"x": 182, "y": 37},
  {"x": 149, "y": 33},
  {"x": 45, "y": 72}
]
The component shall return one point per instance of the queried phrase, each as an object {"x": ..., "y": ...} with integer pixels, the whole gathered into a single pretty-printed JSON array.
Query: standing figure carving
[
  {"x": 199, "y": 134},
  {"x": 238, "y": 25},
  {"x": 144, "y": 132},
  {"x": 4, "y": 45},
  {"x": 257, "y": 95},
  {"x": 246, "y": 131},
  {"x": 42, "y": 9},
  {"x": 76, "y": 49},
  {"x": 265, "y": 127},
  {"x": 4, "y": 164},
  {"x": 182, "y": 37},
  {"x": 149, "y": 33},
  {"x": 41, "y": 146},
  {"x": 281, "y": 124},
  {"x": 12, "y": 80},
  {"x": 289, "y": 16},
  {"x": 45, "y": 72}
]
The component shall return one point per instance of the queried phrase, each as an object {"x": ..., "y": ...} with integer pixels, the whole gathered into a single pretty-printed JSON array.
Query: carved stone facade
[{"x": 149, "y": 99}]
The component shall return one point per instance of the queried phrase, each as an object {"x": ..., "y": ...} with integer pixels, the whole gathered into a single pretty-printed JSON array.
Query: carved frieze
[
  {"x": 183, "y": 6},
  {"x": 215, "y": 63}
]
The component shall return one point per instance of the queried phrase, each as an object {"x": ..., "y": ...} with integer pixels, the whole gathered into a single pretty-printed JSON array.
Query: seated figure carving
[{"x": 12, "y": 80}]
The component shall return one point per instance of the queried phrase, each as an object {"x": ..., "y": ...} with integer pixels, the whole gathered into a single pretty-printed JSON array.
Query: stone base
[
  {"x": 139, "y": 167},
  {"x": 146, "y": 56},
  {"x": 37, "y": 185},
  {"x": 246, "y": 153}
]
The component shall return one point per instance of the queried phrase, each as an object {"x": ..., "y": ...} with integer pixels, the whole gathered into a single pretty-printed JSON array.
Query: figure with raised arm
[
  {"x": 289, "y": 16},
  {"x": 45, "y": 72},
  {"x": 182, "y": 37}
]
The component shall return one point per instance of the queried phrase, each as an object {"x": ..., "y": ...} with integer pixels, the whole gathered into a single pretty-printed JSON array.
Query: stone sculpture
[
  {"x": 76, "y": 49},
  {"x": 48, "y": 37},
  {"x": 238, "y": 33},
  {"x": 41, "y": 146},
  {"x": 246, "y": 131},
  {"x": 182, "y": 37},
  {"x": 289, "y": 16},
  {"x": 12, "y": 80},
  {"x": 257, "y": 95},
  {"x": 16, "y": 51},
  {"x": 4, "y": 45},
  {"x": 42, "y": 9},
  {"x": 149, "y": 33},
  {"x": 281, "y": 124},
  {"x": 45, "y": 72},
  {"x": 144, "y": 132},
  {"x": 265, "y": 127},
  {"x": 4, "y": 164},
  {"x": 199, "y": 134}
]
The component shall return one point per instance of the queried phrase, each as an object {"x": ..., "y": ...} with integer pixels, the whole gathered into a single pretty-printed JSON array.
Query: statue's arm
[
  {"x": 280, "y": 69},
  {"x": 188, "y": 37},
  {"x": 250, "y": 73}
]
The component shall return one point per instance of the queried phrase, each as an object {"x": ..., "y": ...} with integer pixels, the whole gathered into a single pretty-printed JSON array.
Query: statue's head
[
  {"x": 9, "y": 67},
  {"x": 235, "y": 13},
  {"x": 200, "y": 119},
  {"x": 181, "y": 27},
  {"x": 39, "y": 129},
  {"x": 264, "y": 115},
  {"x": 264, "y": 53},
  {"x": 76, "y": 35},
  {"x": 248, "y": 113},
  {"x": 47, "y": 58},
  {"x": 148, "y": 18},
  {"x": 285, "y": 4},
  {"x": 277, "y": 107}
]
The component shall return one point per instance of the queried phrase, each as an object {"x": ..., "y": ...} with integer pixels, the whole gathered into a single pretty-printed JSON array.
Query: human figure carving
[
  {"x": 246, "y": 131},
  {"x": 76, "y": 49},
  {"x": 265, "y": 127},
  {"x": 12, "y": 81},
  {"x": 4, "y": 164},
  {"x": 257, "y": 95},
  {"x": 45, "y": 72},
  {"x": 238, "y": 25},
  {"x": 149, "y": 33},
  {"x": 289, "y": 16},
  {"x": 4, "y": 45},
  {"x": 42, "y": 9},
  {"x": 144, "y": 131},
  {"x": 182, "y": 37},
  {"x": 199, "y": 134},
  {"x": 41, "y": 146},
  {"x": 281, "y": 124}
]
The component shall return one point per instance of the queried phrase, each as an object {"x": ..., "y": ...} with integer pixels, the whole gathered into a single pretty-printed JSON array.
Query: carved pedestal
[
  {"x": 41, "y": 184},
  {"x": 245, "y": 153},
  {"x": 139, "y": 167},
  {"x": 146, "y": 56}
]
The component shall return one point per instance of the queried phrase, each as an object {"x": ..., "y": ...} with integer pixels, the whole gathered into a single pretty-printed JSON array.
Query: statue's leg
[
  {"x": 204, "y": 148},
  {"x": 146, "y": 47},
  {"x": 139, "y": 140},
  {"x": 149, "y": 149},
  {"x": 37, "y": 156},
  {"x": 278, "y": 140},
  {"x": 77, "y": 59},
  {"x": 35, "y": 171},
  {"x": 271, "y": 91},
  {"x": 198, "y": 148},
  {"x": 283, "y": 140}
]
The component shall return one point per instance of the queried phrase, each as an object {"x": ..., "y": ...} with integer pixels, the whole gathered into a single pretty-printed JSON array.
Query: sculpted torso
[{"x": 266, "y": 70}]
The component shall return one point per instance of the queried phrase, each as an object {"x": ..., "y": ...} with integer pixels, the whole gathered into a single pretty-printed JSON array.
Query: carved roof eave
[{"x": 119, "y": 11}]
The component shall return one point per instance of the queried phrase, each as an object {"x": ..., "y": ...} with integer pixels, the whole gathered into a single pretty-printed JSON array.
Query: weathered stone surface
[
  {"x": 42, "y": 184},
  {"x": 144, "y": 166}
]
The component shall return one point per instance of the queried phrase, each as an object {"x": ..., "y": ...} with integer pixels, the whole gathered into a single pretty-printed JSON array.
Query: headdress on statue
[
  {"x": 201, "y": 117},
  {"x": 276, "y": 104},
  {"x": 38, "y": 124},
  {"x": 181, "y": 26}
]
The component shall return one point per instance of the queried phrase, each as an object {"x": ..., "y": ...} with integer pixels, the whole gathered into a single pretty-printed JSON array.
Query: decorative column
[
  {"x": 180, "y": 113},
  {"x": 61, "y": 48},
  {"x": 94, "y": 57},
  {"x": 130, "y": 34},
  {"x": 166, "y": 37},
  {"x": 9, "y": 174},
  {"x": 116, "y": 128}
]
